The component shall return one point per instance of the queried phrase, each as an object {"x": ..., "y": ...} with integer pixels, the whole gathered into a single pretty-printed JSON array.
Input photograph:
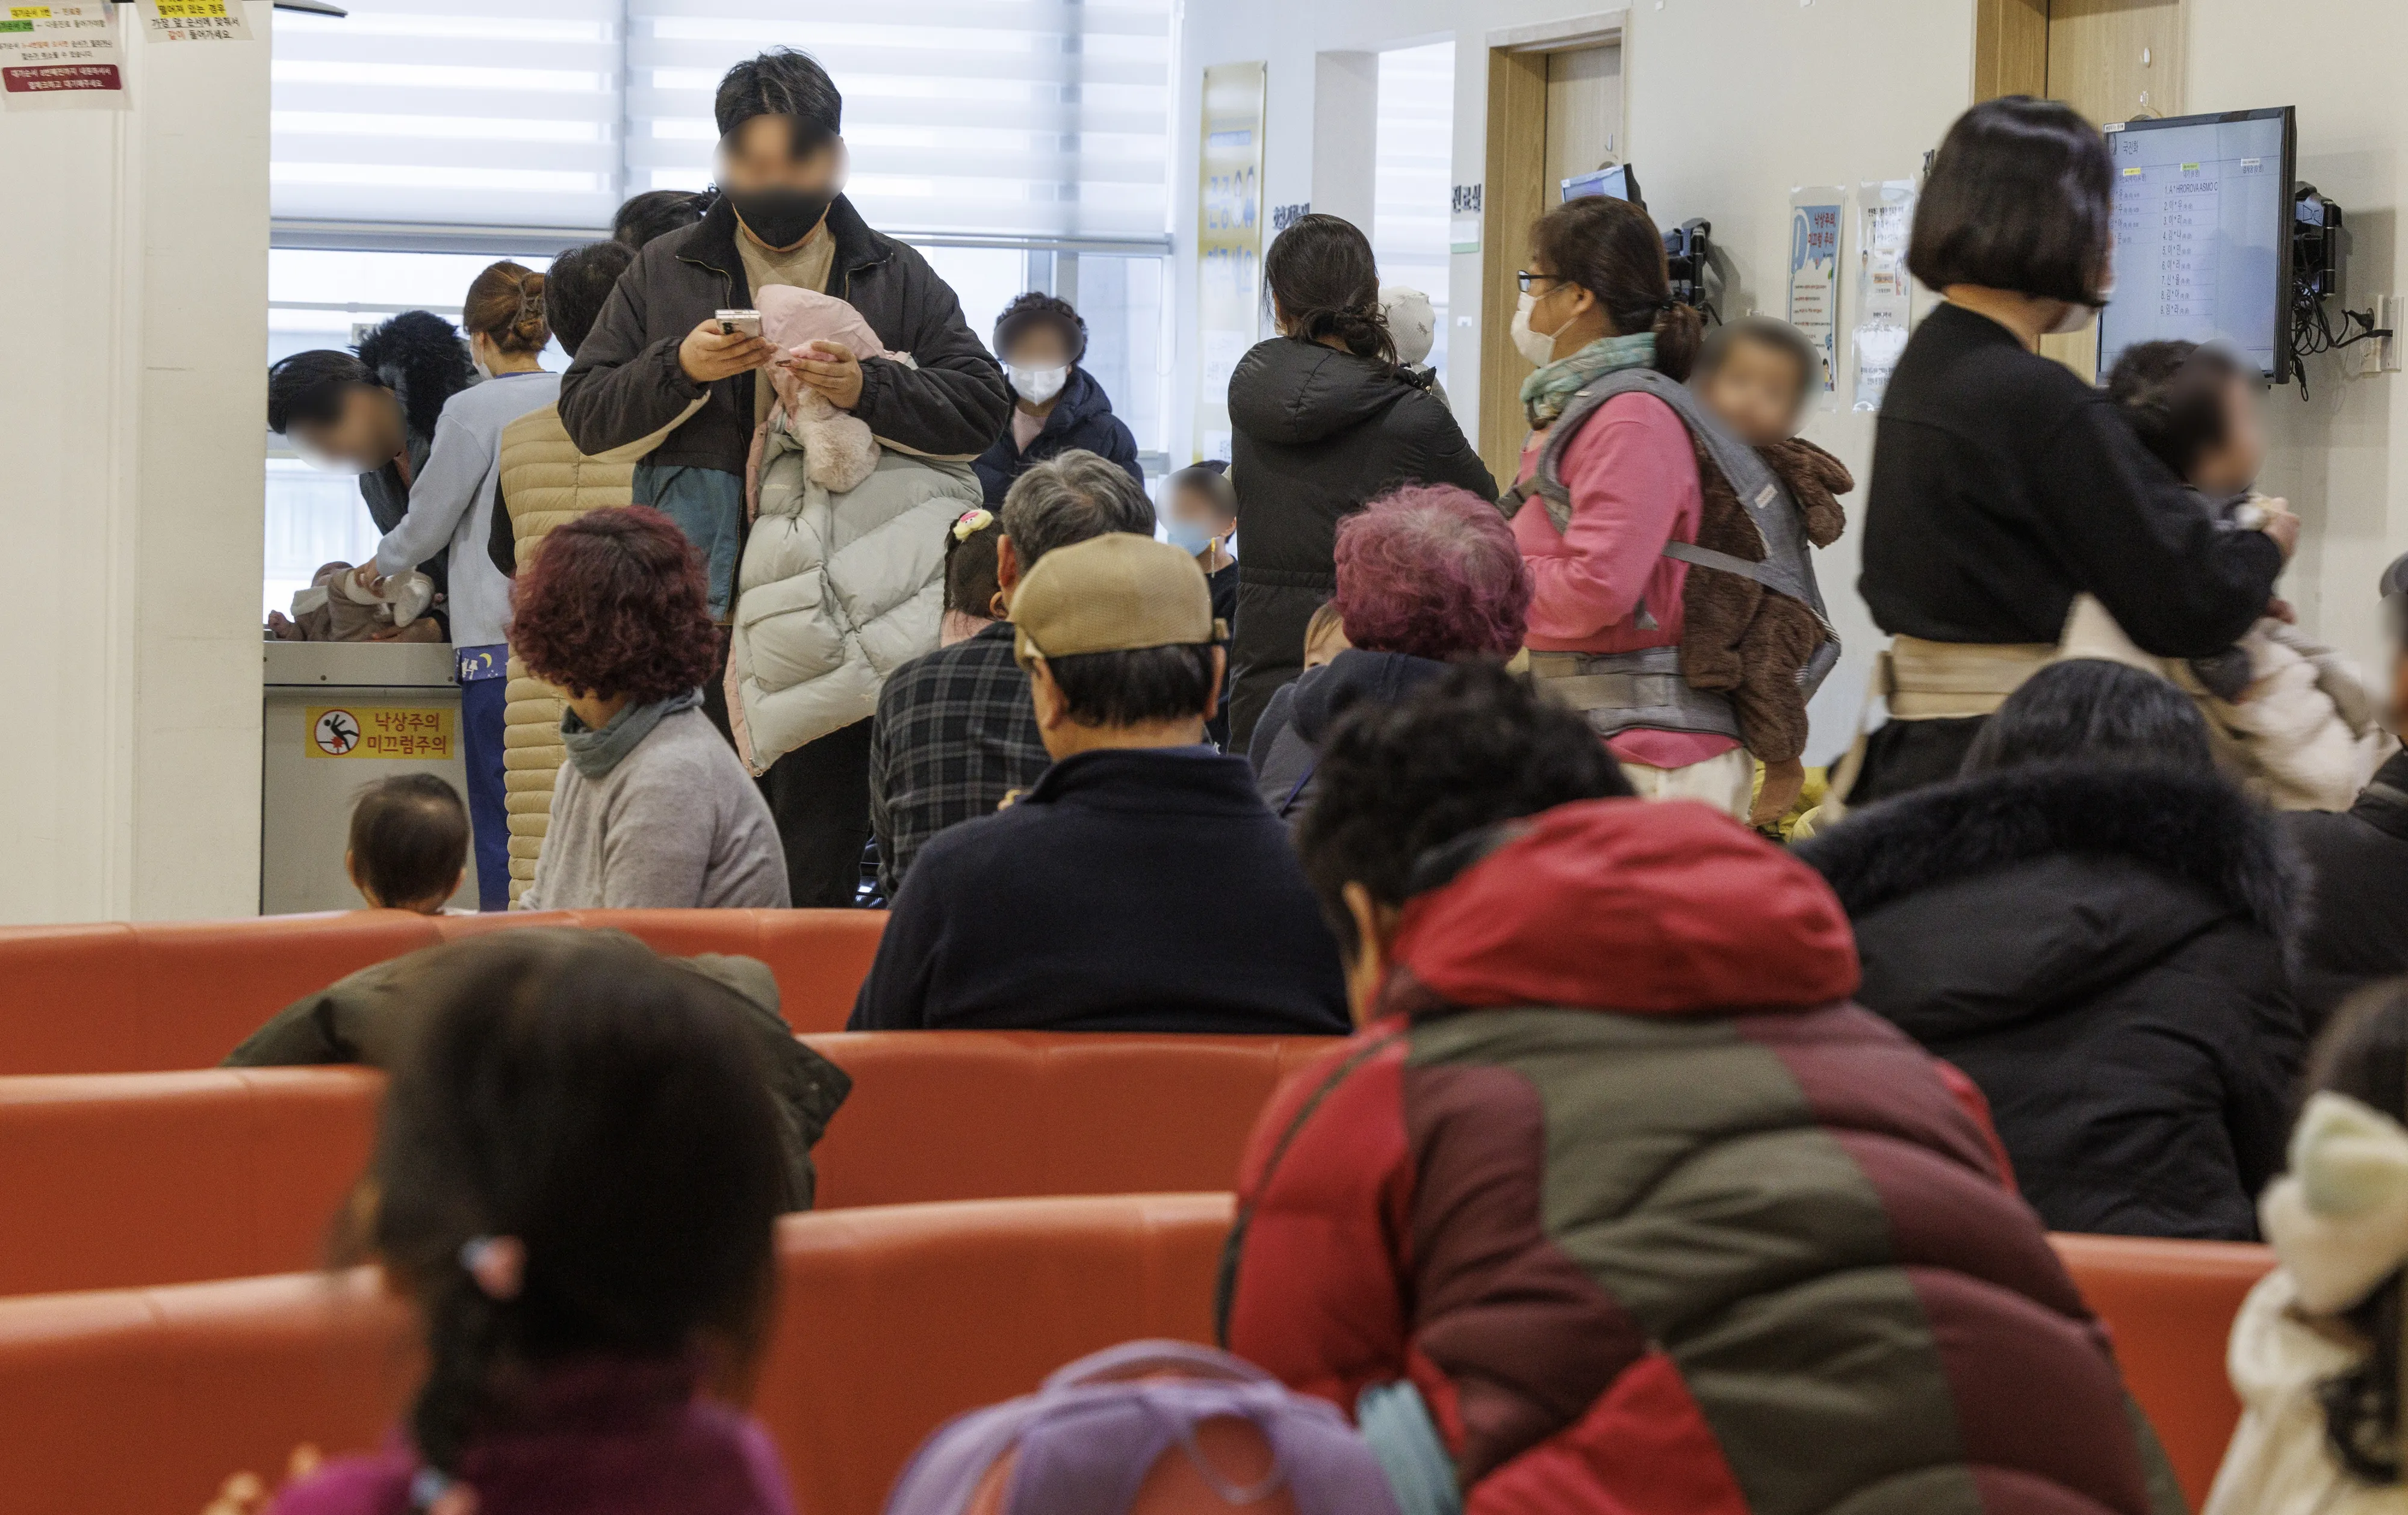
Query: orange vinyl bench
[
  {"x": 125, "y": 998},
  {"x": 889, "y": 1323},
  {"x": 115, "y": 1181},
  {"x": 891, "y": 1319},
  {"x": 2170, "y": 1307}
]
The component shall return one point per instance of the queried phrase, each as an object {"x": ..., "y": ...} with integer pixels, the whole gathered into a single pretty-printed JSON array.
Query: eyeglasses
[{"x": 1524, "y": 276}]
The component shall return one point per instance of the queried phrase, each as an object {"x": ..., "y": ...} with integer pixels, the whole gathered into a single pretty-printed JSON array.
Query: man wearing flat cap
[{"x": 1140, "y": 884}]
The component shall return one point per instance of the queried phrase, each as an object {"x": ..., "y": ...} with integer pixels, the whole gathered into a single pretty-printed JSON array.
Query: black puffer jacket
[
  {"x": 2360, "y": 858},
  {"x": 2104, "y": 951},
  {"x": 1286, "y": 751},
  {"x": 625, "y": 383},
  {"x": 1317, "y": 434},
  {"x": 1082, "y": 416}
]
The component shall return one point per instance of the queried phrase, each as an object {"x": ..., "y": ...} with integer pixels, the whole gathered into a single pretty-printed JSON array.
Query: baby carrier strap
[{"x": 1789, "y": 565}]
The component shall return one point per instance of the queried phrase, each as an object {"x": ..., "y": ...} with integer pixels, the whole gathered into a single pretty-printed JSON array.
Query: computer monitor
[
  {"x": 1617, "y": 182},
  {"x": 2203, "y": 235}
]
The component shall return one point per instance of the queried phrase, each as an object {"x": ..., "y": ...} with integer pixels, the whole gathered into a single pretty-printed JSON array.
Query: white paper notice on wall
[
  {"x": 1814, "y": 216},
  {"x": 194, "y": 21},
  {"x": 1885, "y": 289},
  {"x": 60, "y": 56}
]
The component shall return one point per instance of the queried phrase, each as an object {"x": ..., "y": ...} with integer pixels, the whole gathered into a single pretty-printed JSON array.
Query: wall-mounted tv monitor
[
  {"x": 2203, "y": 236},
  {"x": 1617, "y": 183}
]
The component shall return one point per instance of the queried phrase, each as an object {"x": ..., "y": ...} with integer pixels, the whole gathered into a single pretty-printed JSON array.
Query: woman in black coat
[
  {"x": 2004, "y": 485},
  {"x": 2095, "y": 926},
  {"x": 1057, "y": 405},
  {"x": 1323, "y": 421}
]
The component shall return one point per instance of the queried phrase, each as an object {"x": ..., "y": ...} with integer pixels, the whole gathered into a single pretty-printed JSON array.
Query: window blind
[
  {"x": 453, "y": 112},
  {"x": 1012, "y": 120}
]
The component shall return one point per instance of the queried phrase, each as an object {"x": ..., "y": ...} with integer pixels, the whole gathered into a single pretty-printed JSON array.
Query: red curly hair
[
  {"x": 1432, "y": 570},
  {"x": 614, "y": 604}
]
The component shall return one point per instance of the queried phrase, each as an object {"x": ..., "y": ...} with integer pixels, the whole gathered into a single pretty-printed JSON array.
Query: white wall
[
  {"x": 2334, "y": 456},
  {"x": 1731, "y": 103},
  {"x": 131, "y": 416}
]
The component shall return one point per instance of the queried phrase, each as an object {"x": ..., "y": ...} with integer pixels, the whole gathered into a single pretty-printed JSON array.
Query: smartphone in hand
[{"x": 738, "y": 322}]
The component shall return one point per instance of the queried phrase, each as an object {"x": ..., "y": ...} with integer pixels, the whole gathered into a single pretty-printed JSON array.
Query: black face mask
[{"x": 780, "y": 216}]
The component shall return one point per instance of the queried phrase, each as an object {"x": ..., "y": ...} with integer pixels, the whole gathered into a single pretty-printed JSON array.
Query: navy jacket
[
  {"x": 1127, "y": 890},
  {"x": 1082, "y": 416}
]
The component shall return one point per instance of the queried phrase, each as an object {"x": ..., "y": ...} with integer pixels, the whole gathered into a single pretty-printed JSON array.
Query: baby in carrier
[
  {"x": 1738, "y": 635},
  {"x": 2290, "y": 716}
]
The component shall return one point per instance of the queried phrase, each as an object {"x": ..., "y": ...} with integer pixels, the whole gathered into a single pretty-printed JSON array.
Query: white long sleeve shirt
[{"x": 452, "y": 501}]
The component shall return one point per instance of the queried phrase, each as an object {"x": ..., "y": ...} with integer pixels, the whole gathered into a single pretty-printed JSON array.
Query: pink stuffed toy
[{"x": 839, "y": 451}]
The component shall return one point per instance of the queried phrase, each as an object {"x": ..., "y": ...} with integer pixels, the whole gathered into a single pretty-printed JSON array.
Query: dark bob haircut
[
  {"x": 1138, "y": 688},
  {"x": 782, "y": 82},
  {"x": 1401, "y": 783},
  {"x": 2173, "y": 395},
  {"x": 2019, "y": 198},
  {"x": 2092, "y": 711},
  {"x": 614, "y": 604},
  {"x": 578, "y": 285}
]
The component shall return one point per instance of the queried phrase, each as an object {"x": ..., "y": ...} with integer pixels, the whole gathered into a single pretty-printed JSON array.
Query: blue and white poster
[{"x": 1814, "y": 216}]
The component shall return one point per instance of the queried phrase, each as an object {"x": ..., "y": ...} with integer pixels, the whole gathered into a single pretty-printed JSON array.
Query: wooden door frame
[{"x": 1512, "y": 196}]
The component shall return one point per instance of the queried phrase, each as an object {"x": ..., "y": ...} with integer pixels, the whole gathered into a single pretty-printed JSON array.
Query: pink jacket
[{"x": 1633, "y": 476}]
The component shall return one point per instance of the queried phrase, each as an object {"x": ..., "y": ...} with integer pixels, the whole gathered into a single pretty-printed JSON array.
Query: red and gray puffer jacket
[{"x": 1658, "y": 1221}]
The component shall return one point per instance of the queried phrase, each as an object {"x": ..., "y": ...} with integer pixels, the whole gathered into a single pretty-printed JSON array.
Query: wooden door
[
  {"x": 2112, "y": 60},
  {"x": 1551, "y": 113}
]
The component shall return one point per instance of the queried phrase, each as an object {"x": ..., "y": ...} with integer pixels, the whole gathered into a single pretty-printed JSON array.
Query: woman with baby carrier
[
  {"x": 2004, "y": 484},
  {"x": 1611, "y": 490}
]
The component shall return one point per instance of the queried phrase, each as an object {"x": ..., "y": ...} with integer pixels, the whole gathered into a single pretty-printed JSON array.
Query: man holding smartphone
[{"x": 660, "y": 355}]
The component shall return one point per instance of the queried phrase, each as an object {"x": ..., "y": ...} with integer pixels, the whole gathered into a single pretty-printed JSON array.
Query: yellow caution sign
[{"x": 420, "y": 734}]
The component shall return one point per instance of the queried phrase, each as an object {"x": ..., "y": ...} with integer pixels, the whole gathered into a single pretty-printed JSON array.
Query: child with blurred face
[{"x": 1756, "y": 379}]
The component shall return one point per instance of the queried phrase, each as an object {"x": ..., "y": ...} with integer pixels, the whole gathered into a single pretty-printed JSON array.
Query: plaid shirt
[{"x": 956, "y": 733}]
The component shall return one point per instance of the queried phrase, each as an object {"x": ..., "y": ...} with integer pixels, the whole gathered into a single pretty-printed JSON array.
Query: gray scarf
[{"x": 596, "y": 752}]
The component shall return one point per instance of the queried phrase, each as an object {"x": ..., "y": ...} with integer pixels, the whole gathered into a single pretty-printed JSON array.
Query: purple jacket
[{"x": 598, "y": 1438}]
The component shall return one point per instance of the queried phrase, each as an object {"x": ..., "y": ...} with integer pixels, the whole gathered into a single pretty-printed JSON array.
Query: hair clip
[
  {"x": 496, "y": 1263},
  {"x": 972, "y": 521}
]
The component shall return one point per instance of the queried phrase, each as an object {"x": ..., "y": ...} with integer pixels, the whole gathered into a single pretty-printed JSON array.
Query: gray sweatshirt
[
  {"x": 452, "y": 501},
  {"x": 677, "y": 823}
]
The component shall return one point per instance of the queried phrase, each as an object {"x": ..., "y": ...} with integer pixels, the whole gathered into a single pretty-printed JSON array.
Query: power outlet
[{"x": 2388, "y": 312}]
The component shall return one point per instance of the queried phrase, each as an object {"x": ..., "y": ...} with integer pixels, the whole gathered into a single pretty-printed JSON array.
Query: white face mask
[
  {"x": 1538, "y": 349},
  {"x": 2077, "y": 317},
  {"x": 1038, "y": 385}
]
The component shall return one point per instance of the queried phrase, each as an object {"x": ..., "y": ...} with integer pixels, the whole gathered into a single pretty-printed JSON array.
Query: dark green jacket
[{"x": 370, "y": 1016}]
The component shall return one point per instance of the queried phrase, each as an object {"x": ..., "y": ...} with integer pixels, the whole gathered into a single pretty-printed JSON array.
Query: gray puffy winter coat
[{"x": 836, "y": 591}]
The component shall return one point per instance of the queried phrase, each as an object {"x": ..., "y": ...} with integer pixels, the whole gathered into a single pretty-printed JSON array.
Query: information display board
[{"x": 2203, "y": 236}]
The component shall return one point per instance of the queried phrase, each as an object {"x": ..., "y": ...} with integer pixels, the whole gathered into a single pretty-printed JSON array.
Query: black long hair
[
  {"x": 609, "y": 1111},
  {"x": 2364, "y": 1055},
  {"x": 1322, "y": 281}
]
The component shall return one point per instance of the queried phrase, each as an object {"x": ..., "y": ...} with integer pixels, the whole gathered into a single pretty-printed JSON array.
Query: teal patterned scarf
[{"x": 1548, "y": 390}]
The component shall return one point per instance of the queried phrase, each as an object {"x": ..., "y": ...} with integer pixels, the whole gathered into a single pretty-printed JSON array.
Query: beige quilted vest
[{"x": 545, "y": 482}]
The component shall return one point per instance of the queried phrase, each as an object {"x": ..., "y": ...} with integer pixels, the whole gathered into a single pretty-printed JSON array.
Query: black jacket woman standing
[
  {"x": 1323, "y": 421},
  {"x": 2094, "y": 925},
  {"x": 2002, "y": 484}
]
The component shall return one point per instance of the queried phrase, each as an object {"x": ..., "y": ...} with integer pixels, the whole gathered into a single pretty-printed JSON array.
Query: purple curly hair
[{"x": 1432, "y": 570}]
